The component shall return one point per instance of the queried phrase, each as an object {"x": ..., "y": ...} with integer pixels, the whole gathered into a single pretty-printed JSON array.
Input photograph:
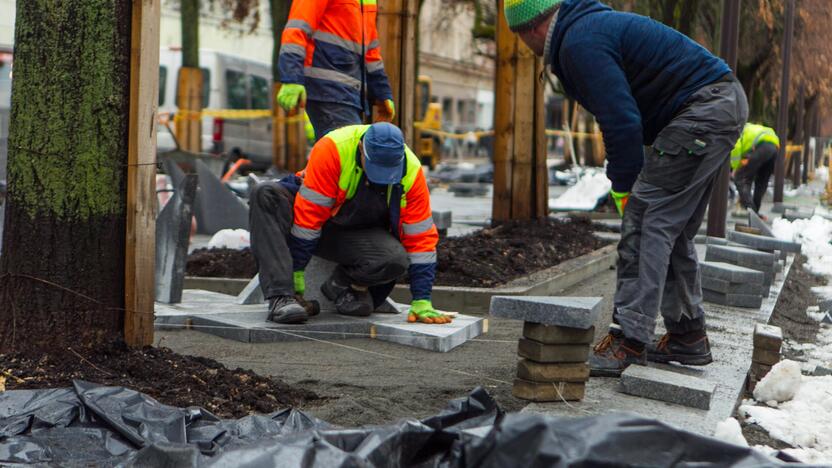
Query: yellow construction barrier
[
  {"x": 229, "y": 114},
  {"x": 478, "y": 135}
]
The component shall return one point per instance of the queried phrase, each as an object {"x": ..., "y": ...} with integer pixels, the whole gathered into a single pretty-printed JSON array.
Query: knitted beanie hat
[{"x": 524, "y": 14}]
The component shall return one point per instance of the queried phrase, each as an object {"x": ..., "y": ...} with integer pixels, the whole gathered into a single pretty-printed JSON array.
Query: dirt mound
[
  {"x": 221, "y": 263},
  {"x": 171, "y": 378},
  {"x": 491, "y": 257}
]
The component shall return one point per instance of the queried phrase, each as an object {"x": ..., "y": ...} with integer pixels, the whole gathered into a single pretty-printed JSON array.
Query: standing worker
[
  {"x": 646, "y": 84},
  {"x": 330, "y": 63},
  {"x": 363, "y": 203},
  {"x": 752, "y": 161}
]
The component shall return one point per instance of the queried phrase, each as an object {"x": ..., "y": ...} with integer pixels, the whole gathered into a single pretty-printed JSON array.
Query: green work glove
[
  {"x": 290, "y": 95},
  {"x": 385, "y": 111},
  {"x": 422, "y": 311},
  {"x": 300, "y": 282},
  {"x": 620, "y": 199}
]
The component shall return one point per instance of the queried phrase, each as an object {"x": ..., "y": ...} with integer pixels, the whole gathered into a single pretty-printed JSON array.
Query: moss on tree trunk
[
  {"x": 190, "y": 33},
  {"x": 62, "y": 265}
]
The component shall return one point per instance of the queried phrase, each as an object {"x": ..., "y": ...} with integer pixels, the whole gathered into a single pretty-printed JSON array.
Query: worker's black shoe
[
  {"x": 613, "y": 354},
  {"x": 690, "y": 349},
  {"x": 285, "y": 309},
  {"x": 348, "y": 300}
]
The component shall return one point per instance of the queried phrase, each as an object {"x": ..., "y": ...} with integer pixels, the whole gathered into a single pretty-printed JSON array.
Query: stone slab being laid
[
  {"x": 768, "y": 337},
  {"x": 572, "y": 312},
  {"x": 173, "y": 228},
  {"x": 763, "y": 242},
  {"x": 727, "y": 287},
  {"x": 439, "y": 338},
  {"x": 252, "y": 294},
  {"x": 543, "y": 353},
  {"x": 548, "y": 392},
  {"x": 748, "y": 301},
  {"x": 672, "y": 387},
  {"x": 547, "y": 334},
  {"x": 539, "y": 372},
  {"x": 731, "y": 273},
  {"x": 751, "y": 258},
  {"x": 755, "y": 221}
]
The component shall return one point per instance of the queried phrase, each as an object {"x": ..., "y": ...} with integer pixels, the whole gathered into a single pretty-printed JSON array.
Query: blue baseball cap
[{"x": 384, "y": 153}]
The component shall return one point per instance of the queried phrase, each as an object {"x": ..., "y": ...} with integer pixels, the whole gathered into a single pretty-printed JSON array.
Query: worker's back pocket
[{"x": 673, "y": 159}]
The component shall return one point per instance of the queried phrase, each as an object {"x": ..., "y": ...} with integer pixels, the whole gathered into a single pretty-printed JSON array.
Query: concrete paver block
[
  {"x": 439, "y": 338},
  {"x": 731, "y": 273},
  {"x": 442, "y": 219},
  {"x": 543, "y": 353},
  {"x": 251, "y": 294},
  {"x": 748, "y": 301},
  {"x": 547, "y": 334},
  {"x": 780, "y": 207},
  {"x": 755, "y": 221},
  {"x": 765, "y": 356},
  {"x": 768, "y": 337},
  {"x": 727, "y": 287},
  {"x": 764, "y": 243},
  {"x": 538, "y": 372},
  {"x": 216, "y": 206},
  {"x": 741, "y": 256},
  {"x": 759, "y": 370},
  {"x": 173, "y": 228},
  {"x": 672, "y": 387},
  {"x": 552, "y": 391},
  {"x": 573, "y": 312}
]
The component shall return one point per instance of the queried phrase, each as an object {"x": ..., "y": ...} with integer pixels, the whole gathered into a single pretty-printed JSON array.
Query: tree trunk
[
  {"x": 279, "y": 12},
  {"x": 190, "y": 33},
  {"x": 62, "y": 265},
  {"x": 189, "y": 99}
]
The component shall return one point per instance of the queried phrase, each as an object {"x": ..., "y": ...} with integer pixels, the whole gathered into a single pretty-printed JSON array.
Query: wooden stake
[
  {"x": 278, "y": 131},
  {"x": 397, "y": 23},
  {"x": 503, "y": 119},
  {"x": 189, "y": 101},
  {"x": 141, "y": 174}
]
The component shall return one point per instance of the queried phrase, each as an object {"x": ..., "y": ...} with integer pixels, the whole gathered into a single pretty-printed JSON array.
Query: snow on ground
[
  {"x": 230, "y": 239},
  {"x": 731, "y": 432},
  {"x": 803, "y": 416},
  {"x": 814, "y": 234},
  {"x": 591, "y": 187},
  {"x": 818, "y": 353}
]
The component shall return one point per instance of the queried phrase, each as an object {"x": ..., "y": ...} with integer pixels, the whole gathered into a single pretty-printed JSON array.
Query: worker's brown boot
[
  {"x": 690, "y": 349},
  {"x": 613, "y": 354}
]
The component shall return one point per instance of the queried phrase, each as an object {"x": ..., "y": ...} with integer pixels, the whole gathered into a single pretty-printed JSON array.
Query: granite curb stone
[
  {"x": 727, "y": 287},
  {"x": 572, "y": 312},
  {"x": 672, "y": 387},
  {"x": 732, "y": 273},
  {"x": 763, "y": 243},
  {"x": 748, "y": 301},
  {"x": 543, "y": 353},
  {"x": 765, "y": 356},
  {"x": 768, "y": 337},
  {"x": 548, "y": 334}
]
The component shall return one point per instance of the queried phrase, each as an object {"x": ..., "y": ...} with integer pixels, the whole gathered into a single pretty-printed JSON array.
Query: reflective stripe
[
  {"x": 373, "y": 67},
  {"x": 422, "y": 258},
  {"x": 316, "y": 198},
  {"x": 373, "y": 44},
  {"x": 293, "y": 49},
  {"x": 330, "y": 38},
  {"x": 418, "y": 228},
  {"x": 305, "y": 233},
  {"x": 299, "y": 24},
  {"x": 332, "y": 75}
]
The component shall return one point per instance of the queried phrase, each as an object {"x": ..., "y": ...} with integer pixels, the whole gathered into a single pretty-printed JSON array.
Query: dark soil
[
  {"x": 221, "y": 263},
  {"x": 491, "y": 257},
  {"x": 171, "y": 378},
  {"x": 790, "y": 310}
]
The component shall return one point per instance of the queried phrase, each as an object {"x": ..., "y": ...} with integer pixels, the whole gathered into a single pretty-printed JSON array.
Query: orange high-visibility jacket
[
  {"x": 332, "y": 48},
  {"x": 331, "y": 178}
]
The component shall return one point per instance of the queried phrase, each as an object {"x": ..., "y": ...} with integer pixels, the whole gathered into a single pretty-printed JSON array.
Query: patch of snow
[
  {"x": 230, "y": 239},
  {"x": 780, "y": 384},
  {"x": 591, "y": 187},
  {"x": 731, "y": 432},
  {"x": 814, "y": 235},
  {"x": 818, "y": 353}
]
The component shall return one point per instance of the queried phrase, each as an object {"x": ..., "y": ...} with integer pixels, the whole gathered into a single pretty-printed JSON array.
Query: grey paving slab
[
  {"x": 252, "y": 294},
  {"x": 443, "y": 220},
  {"x": 672, "y": 387},
  {"x": 768, "y": 337},
  {"x": 547, "y": 334},
  {"x": 730, "y": 331},
  {"x": 217, "y": 207},
  {"x": 727, "y": 287},
  {"x": 763, "y": 242},
  {"x": 793, "y": 215},
  {"x": 751, "y": 258},
  {"x": 173, "y": 229},
  {"x": 573, "y": 312},
  {"x": 439, "y": 338},
  {"x": 750, "y": 301},
  {"x": 731, "y": 273},
  {"x": 755, "y": 221}
]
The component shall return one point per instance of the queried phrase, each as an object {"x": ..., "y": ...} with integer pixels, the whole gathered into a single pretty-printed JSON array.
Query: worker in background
[
  {"x": 752, "y": 161},
  {"x": 330, "y": 63},
  {"x": 362, "y": 202},
  {"x": 647, "y": 85}
]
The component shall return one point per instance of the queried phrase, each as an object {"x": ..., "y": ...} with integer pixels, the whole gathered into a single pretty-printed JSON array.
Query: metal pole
[
  {"x": 783, "y": 111},
  {"x": 718, "y": 208}
]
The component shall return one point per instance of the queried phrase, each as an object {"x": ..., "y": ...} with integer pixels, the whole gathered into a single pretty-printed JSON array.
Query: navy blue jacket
[{"x": 631, "y": 72}]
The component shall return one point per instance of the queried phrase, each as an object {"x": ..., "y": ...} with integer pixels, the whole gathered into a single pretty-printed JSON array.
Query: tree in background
[{"x": 63, "y": 260}]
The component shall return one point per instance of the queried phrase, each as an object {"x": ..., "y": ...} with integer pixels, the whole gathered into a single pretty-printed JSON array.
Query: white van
[{"x": 229, "y": 82}]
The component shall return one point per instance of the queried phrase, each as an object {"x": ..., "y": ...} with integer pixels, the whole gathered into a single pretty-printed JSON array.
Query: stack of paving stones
[
  {"x": 754, "y": 259},
  {"x": 767, "y": 342},
  {"x": 557, "y": 335},
  {"x": 732, "y": 285},
  {"x": 764, "y": 243}
]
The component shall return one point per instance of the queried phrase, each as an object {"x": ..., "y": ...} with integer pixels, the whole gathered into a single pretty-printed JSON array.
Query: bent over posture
[
  {"x": 752, "y": 161},
  {"x": 363, "y": 203}
]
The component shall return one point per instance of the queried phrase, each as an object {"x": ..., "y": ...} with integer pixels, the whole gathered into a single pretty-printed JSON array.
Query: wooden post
[
  {"x": 520, "y": 175},
  {"x": 397, "y": 24},
  {"x": 189, "y": 102},
  {"x": 278, "y": 131},
  {"x": 141, "y": 174},
  {"x": 800, "y": 128},
  {"x": 295, "y": 143}
]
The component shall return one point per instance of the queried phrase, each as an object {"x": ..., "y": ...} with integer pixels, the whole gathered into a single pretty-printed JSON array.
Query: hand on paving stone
[
  {"x": 422, "y": 311},
  {"x": 300, "y": 282},
  {"x": 620, "y": 199}
]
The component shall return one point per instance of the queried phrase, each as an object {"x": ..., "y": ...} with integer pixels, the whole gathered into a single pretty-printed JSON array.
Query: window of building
[{"x": 447, "y": 110}]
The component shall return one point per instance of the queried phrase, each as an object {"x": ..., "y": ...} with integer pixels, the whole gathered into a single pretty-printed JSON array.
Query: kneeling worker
[
  {"x": 752, "y": 161},
  {"x": 363, "y": 203}
]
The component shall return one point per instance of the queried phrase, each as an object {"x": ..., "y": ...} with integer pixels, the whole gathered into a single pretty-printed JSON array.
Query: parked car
[{"x": 229, "y": 82}]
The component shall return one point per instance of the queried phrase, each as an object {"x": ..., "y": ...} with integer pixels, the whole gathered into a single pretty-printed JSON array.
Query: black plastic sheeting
[{"x": 115, "y": 426}]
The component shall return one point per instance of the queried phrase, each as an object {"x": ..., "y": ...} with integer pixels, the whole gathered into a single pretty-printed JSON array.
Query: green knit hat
[{"x": 524, "y": 14}]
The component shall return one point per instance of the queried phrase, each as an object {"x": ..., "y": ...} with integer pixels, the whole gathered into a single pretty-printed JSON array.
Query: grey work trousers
[
  {"x": 366, "y": 257},
  {"x": 756, "y": 172},
  {"x": 658, "y": 269}
]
